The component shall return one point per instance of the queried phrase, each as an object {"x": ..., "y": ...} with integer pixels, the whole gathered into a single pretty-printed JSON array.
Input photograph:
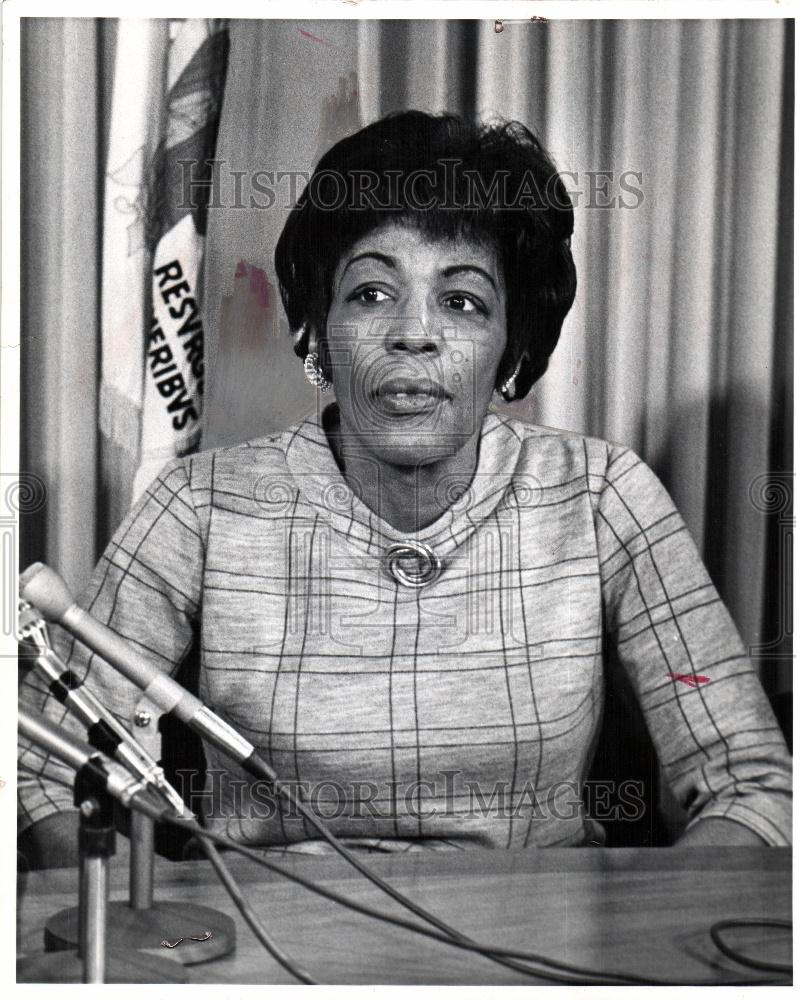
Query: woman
[{"x": 405, "y": 601}]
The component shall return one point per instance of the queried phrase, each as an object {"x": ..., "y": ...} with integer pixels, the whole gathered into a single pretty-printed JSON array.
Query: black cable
[
  {"x": 255, "y": 764},
  {"x": 261, "y": 769},
  {"x": 368, "y": 911},
  {"x": 251, "y": 918},
  {"x": 583, "y": 976},
  {"x": 737, "y": 956}
]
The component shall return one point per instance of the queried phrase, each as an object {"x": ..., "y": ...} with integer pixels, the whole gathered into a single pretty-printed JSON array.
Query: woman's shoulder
[
  {"x": 237, "y": 462},
  {"x": 565, "y": 462},
  {"x": 240, "y": 479},
  {"x": 559, "y": 452}
]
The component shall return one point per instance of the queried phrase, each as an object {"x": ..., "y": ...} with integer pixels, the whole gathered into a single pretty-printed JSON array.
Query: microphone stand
[
  {"x": 97, "y": 842},
  {"x": 94, "y": 960},
  {"x": 140, "y": 924}
]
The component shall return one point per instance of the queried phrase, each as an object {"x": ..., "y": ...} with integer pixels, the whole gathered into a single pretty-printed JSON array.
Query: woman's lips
[
  {"x": 409, "y": 396},
  {"x": 413, "y": 402}
]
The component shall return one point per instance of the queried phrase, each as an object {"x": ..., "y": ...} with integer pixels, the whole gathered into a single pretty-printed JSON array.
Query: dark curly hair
[{"x": 450, "y": 178}]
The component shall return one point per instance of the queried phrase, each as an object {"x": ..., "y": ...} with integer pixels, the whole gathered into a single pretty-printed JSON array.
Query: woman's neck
[{"x": 408, "y": 497}]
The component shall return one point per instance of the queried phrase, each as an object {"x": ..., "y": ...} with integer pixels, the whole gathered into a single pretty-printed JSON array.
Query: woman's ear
[
  {"x": 313, "y": 362},
  {"x": 300, "y": 338},
  {"x": 507, "y": 387},
  {"x": 318, "y": 347},
  {"x": 312, "y": 340}
]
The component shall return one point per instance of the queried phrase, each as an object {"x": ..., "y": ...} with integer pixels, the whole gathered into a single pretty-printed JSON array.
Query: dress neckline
[{"x": 319, "y": 480}]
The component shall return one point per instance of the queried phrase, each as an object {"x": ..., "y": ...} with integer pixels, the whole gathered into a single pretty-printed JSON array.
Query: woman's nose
[{"x": 411, "y": 336}]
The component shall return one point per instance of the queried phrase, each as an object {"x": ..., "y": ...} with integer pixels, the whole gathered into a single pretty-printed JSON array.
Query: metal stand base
[
  {"x": 136, "y": 930},
  {"x": 121, "y": 967}
]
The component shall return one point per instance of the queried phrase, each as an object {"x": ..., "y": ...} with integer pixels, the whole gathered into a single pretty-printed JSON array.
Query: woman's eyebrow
[
  {"x": 382, "y": 257},
  {"x": 448, "y": 272}
]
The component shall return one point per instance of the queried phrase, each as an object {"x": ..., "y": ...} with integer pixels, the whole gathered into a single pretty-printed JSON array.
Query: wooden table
[{"x": 642, "y": 910}]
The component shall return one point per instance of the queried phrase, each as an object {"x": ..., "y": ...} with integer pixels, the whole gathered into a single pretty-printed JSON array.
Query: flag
[{"x": 168, "y": 87}]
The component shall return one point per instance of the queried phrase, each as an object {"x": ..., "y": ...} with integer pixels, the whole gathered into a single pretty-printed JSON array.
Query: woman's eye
[
  {"x": 462, "y": 303},
  {"x": 369, "y": 296}
]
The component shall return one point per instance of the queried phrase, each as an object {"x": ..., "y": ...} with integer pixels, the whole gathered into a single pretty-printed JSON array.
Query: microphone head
[
  {"x": 30, "y": 624},
  {"x": 45, "y": 590}
]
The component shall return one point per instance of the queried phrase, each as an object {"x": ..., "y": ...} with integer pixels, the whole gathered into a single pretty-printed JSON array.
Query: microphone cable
[
  {"x": 575, "y": 974},
  {"x": 259, "y": 768},
  {"x": 236, "y": 895},
  {"x": 737, "y": 956}
]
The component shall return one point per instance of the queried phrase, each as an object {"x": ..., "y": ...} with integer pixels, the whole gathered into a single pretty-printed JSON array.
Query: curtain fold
[
  {"x": 59, "y": 292},
  {"x": 744, "y": 437},
  {"x": 680, "y": 341}
]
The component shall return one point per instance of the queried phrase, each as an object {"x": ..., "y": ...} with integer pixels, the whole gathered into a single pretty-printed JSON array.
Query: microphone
[
  {"x": 44, "y": 588},
  {"x": 114, "y": 778},
  {"x": 104, "y": 732}
]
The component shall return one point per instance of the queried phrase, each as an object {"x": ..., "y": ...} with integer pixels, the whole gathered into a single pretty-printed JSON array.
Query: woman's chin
[
  {"x": 411, "y": 436},
  {"x": 409, "y": 449}
]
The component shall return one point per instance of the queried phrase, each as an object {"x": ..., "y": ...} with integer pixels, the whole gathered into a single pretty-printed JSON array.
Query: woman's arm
[
  {"x": 716, "y": 832},
  {"x": 147, "y": 588},
  {"x": 715, "y": 734},
  {"x": 51, "y": 842}
]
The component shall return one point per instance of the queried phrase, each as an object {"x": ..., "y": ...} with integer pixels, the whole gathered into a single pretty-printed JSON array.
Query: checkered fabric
[{"x": 462, "y": 712}]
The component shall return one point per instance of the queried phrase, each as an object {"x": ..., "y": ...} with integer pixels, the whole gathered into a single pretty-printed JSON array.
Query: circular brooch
[{"x": 412, "y": 563}]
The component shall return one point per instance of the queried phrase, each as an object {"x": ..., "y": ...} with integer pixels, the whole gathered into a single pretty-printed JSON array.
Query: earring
[
  {"x": 314, "y": 373},
  {"x": 509, "y": 389}
]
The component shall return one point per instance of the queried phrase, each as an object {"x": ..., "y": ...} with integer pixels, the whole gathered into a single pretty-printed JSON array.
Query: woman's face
[{"x": 415, "y": 333}]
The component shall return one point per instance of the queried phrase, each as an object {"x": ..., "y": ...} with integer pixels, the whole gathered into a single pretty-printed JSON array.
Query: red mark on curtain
[
  {"x": 692, "y": 680},
  {"x": 339, "y": 114},
  {"x": 314, "y": 38},
  {"x": 258, "y": 282}
]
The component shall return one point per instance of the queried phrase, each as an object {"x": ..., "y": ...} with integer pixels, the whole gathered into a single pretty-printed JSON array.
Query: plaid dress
[{"x": 461, "y": 712}]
